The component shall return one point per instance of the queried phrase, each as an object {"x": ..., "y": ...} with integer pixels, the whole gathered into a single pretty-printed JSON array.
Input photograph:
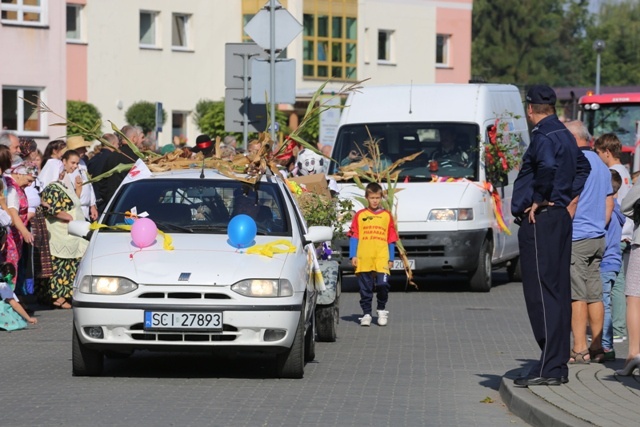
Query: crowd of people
[{"x": 569, "y": 198}]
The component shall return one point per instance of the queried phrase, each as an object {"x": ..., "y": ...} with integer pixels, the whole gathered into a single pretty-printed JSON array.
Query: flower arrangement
[{"x": 502, "y": 151}]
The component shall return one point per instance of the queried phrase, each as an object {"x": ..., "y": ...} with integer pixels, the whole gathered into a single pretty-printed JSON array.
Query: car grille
[
  {"x": 183, "y": 336},
  {"x": 183, "y": 295}
]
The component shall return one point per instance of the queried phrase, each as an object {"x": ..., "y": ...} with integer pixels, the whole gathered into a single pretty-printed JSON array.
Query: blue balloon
[{"x": 242, "y": 230}]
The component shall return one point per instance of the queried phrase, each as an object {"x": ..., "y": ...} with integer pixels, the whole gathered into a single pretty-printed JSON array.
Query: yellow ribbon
[
  {"x": 269, "y": 249},
  {"x": 168, "y": 241}
]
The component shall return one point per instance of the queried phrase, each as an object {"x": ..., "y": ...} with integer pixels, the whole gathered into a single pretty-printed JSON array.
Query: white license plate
[
  {"x": 176, "y": 320},
  {"x": 399, "y": 265}
]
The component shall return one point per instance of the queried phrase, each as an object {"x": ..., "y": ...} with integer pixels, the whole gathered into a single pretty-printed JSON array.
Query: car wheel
[
  {"x": 310, "y": 341},
  {"x": 290, "y": 364},
  {"x": 513, "y": 270},
  {"x": 480, "y": 280},
  {"x": 86, "y": 362},
  {"x": 327, "y": 317}
]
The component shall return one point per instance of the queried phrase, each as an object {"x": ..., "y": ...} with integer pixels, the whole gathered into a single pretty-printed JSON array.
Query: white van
[{"x": 444, "y": 226}]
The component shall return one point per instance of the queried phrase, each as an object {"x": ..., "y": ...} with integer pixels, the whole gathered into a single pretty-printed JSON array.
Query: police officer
[{"x": 552, "y": 175}]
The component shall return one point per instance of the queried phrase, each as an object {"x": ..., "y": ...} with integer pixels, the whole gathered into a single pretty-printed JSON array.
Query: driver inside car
[{"x": 449, "y": 154}]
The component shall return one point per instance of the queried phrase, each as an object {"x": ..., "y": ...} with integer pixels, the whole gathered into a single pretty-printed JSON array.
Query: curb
[{"x": 534, "y": 410}]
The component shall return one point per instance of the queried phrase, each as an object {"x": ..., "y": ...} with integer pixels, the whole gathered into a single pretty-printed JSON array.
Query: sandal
[
  {"x": 597, "y": 355},
  {"x": 62, "y": 303},
  {"x": 579, "y": 358}
]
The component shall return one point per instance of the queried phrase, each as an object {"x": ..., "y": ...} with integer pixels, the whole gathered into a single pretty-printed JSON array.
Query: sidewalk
[{"x": 594, "y": 395}]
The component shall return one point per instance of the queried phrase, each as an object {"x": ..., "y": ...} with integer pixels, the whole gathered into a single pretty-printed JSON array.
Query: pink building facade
[
  {"x": 33, "y": 67},
  {"x": 453, "y": 41}
]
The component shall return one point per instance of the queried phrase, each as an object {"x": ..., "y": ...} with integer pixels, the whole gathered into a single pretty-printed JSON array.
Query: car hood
[
  {"x": 200, "y": 259},
  {"x": 415, "y": 200}
]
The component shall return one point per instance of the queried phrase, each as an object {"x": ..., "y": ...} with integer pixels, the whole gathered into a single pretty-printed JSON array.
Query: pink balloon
[{"x": 143, "y": 232}]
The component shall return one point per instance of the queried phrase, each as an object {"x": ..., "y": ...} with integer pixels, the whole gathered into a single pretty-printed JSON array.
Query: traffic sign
[
  {"x": 286, "y": 27},
  {"x": 285, "y": 81}
]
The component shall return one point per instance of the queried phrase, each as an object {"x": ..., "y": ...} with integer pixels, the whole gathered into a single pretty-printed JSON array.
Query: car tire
[
  {"x": 513, "y": 270},
  {"x": 86, "y": 362},
  {"x": 480, "y": 279},
  {"x": 327, "y": 317},
  {"x": 310, "y": 341},
  {"x": 290, "y": 364}
]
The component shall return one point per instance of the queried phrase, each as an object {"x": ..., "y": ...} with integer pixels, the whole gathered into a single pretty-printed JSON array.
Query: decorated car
[{"x": 196, "y": 260}]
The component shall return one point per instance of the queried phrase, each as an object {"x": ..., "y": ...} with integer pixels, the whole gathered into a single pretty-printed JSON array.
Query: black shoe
[
  {"x": 564, "y": 380},
  {"x": 529, "y": 381}
]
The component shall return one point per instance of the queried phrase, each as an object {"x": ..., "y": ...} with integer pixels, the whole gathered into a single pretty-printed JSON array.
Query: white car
[{"x": 205, "y": 294}]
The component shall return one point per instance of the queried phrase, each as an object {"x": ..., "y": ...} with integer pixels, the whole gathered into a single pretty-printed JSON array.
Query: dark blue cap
[{"x": 541, "y": 94}]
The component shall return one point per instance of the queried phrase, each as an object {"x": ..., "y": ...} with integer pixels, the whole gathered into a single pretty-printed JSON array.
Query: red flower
[
  {"x": 492, "y": 134},
  {"x": 489, "y": 158}
]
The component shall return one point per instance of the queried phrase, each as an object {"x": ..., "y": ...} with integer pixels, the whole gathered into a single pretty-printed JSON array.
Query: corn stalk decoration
[
  {"x": 373, "y": 168},
  {"x": 251, "y": 167}
]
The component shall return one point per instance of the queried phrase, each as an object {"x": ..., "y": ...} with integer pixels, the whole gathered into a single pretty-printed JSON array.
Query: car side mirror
[
  {"x": 318, "y": 233},
  {"x": 79, "y": 228}
]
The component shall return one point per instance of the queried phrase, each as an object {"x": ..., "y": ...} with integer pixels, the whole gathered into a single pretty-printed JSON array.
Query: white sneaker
[
  {"x": 618, "y": 339},
  {"x": 365, "y": 320},
  {"x": 383, "y": 317}
]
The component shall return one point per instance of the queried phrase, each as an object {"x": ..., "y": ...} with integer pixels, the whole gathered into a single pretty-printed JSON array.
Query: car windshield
[
  {"x": 620, "y": 119},
  {"x": 201, "y": 205},
  {"x": 447, "y": 149}
]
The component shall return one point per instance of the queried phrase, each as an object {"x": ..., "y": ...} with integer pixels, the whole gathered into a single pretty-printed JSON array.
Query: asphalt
[{"x": 594, "y": 395}]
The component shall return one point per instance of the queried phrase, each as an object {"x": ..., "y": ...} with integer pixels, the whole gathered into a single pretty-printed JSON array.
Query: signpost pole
[
  {"x": 272, "y": 59},
  {"x": 245, "y": 102}
]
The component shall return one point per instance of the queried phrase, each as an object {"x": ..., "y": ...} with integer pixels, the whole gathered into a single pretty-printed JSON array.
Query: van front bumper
[{"x": 434, "y": 252}]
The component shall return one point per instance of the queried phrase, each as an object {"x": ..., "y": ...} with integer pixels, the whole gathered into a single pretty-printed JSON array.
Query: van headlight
[
  {"x": 264, "y": 288},
  {"x": 104, "y": 285},
  {"x": 462, "y": 214}
]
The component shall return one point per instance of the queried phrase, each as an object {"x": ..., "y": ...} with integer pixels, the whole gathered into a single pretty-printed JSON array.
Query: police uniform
[{"x": 553, "y": 170}]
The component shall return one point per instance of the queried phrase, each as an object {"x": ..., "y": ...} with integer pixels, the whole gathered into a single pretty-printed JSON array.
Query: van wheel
[
  {"x": 310, "y": 341},
  {"x": 290, "y": 364},
  {"x": 86, "y": 362},
  {"x": 513, "y": 270},
  {"x": 480, "y": 280}
]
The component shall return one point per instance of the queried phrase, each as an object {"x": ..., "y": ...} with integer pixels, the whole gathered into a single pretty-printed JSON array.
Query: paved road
[{"x": 438, "y": 363}]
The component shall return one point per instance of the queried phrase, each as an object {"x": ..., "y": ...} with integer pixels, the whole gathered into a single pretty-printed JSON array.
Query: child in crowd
[
  {"x": 12, "y": 315},
  {"x": 610, "y": 266},
  {"x": 371, "y": 249}
]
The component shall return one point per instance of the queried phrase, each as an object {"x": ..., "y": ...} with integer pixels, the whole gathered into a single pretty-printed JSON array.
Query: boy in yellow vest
[{"x": 371, "y": 249}]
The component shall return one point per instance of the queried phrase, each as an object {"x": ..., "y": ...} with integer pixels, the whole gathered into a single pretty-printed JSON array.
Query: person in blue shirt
[
  {"x": 611, "y": 266},
  {"x": 593, "y": 213},
  {"x": 552, "y": 175}
]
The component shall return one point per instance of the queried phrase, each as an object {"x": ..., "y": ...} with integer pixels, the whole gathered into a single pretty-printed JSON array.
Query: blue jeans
[
  {"x": 369, "y": 283},
  {"x": 608, "y": 279}
]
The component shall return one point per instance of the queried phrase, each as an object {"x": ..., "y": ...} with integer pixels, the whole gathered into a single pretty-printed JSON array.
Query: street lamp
[{"x": 598, "y": 46}]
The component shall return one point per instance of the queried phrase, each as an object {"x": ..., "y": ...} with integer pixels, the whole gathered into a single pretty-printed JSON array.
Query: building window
[
  {"x": 17, "y": 114},
  {"x": 180, "y": 31},
  {"x": 148, "y": 28},
  {"x": 179, "y": 125},
  {"x": 26, "y": 12},
  {"x": 442, "y": 50},
  {"x": 385, "y": 39},
  {"x": 74, "y": 22},
  {"x": 330, "y": 39}
]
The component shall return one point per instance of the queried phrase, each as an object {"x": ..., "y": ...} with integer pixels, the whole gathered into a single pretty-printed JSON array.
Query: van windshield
[{"x": 448, "y": 149}]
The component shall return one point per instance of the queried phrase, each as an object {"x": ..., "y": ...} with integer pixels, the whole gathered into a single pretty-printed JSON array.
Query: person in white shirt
[
  {"x": 88, "y": 195},
  {"x": 51, "y": 164}
]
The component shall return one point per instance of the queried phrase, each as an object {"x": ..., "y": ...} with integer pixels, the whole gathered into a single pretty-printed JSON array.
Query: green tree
[
  {"x": 618, "y": 24},
  {"x": 85, "y": 115},
  {"x": 143, "y": 114},
  {"x": 526, "y": 42}
]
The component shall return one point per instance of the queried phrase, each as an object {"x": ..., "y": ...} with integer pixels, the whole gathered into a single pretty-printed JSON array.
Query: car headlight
[
  {"x": 104, "y": 285},
  {"x": 264, "y": 288},
  {"x": 462, "y": 214}
]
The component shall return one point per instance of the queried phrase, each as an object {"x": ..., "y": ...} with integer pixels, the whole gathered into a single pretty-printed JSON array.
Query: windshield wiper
[{"x": 174, "y": 227}]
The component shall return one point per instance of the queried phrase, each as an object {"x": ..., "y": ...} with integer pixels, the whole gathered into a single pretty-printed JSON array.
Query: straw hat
[{"x": 75, "y": 142}]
